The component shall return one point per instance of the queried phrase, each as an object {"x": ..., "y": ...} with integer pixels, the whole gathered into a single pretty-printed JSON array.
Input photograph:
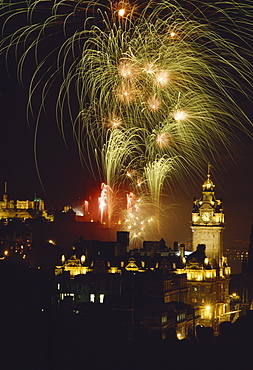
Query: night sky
[{"x": 65, "y": 181}]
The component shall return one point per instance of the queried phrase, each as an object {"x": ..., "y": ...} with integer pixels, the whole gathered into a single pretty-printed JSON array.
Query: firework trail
[{"x": 150, "y": 89}]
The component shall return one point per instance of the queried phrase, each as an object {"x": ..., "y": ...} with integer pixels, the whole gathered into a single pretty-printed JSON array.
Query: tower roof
[{"x": 208, "y": 184}]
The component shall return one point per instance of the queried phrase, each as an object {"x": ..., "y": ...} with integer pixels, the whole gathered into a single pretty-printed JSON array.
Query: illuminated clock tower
[{"x": 208, "y": 223}]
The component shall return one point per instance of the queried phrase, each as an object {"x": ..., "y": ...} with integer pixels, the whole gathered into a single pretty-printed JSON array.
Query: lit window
[
  {"x": 58, "y": 286},
  {"x": 164, "y": 319},
  {"x": 101, "y": 298},
  {"x": 92, "y": 298}
]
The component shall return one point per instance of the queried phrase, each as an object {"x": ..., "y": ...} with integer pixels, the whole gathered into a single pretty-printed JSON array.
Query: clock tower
[{"x": 208, "y": 223}]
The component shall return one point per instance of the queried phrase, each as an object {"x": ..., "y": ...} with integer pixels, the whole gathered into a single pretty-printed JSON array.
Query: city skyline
[{"x": 233, "y": 186}]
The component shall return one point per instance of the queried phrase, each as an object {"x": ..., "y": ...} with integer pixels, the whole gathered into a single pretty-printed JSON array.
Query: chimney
[{"x": 182, "y": 251}]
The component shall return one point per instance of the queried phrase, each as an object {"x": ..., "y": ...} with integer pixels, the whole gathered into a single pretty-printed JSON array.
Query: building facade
[
  {"x": 161, "y": 287},
  {"x": 207, "y": 223},
  {"x": 208, "y": 272},
  {"x": 22, "y": 209},
  {"x": 146, "y": 287}
]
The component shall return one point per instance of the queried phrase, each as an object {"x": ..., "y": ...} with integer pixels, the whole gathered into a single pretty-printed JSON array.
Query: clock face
[{"x": 206, "y": 216}]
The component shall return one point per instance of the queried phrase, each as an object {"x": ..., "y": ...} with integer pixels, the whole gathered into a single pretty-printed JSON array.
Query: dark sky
[{"x": 65, "y": 181}]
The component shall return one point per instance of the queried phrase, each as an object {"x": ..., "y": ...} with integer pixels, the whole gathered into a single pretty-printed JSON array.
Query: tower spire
[
  {"x": 208, "y": 184},
  {"x": 5, "y": 196}
]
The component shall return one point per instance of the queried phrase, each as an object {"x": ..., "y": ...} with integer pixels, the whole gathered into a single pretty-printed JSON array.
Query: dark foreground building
[{"x": 147, "y": 288}]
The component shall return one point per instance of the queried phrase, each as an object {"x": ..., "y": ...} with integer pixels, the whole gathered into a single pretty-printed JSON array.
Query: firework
[
  {"x": 140, "y": 219},
  {"x": 104, "y": 203},
  {"x": 149, "y": 88}
]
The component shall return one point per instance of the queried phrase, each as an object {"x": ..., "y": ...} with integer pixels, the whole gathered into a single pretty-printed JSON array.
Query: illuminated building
[
  {"x": 208, "y": 273},
  {"x": 208, "y": 288},
  {"x": 146, "y": 287},
  {"x": 159, "y": 277},
  {"x": 208, "y": 223},
  {"x": 22, "y": 209},
  {"x": 16, "y": 230}
]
